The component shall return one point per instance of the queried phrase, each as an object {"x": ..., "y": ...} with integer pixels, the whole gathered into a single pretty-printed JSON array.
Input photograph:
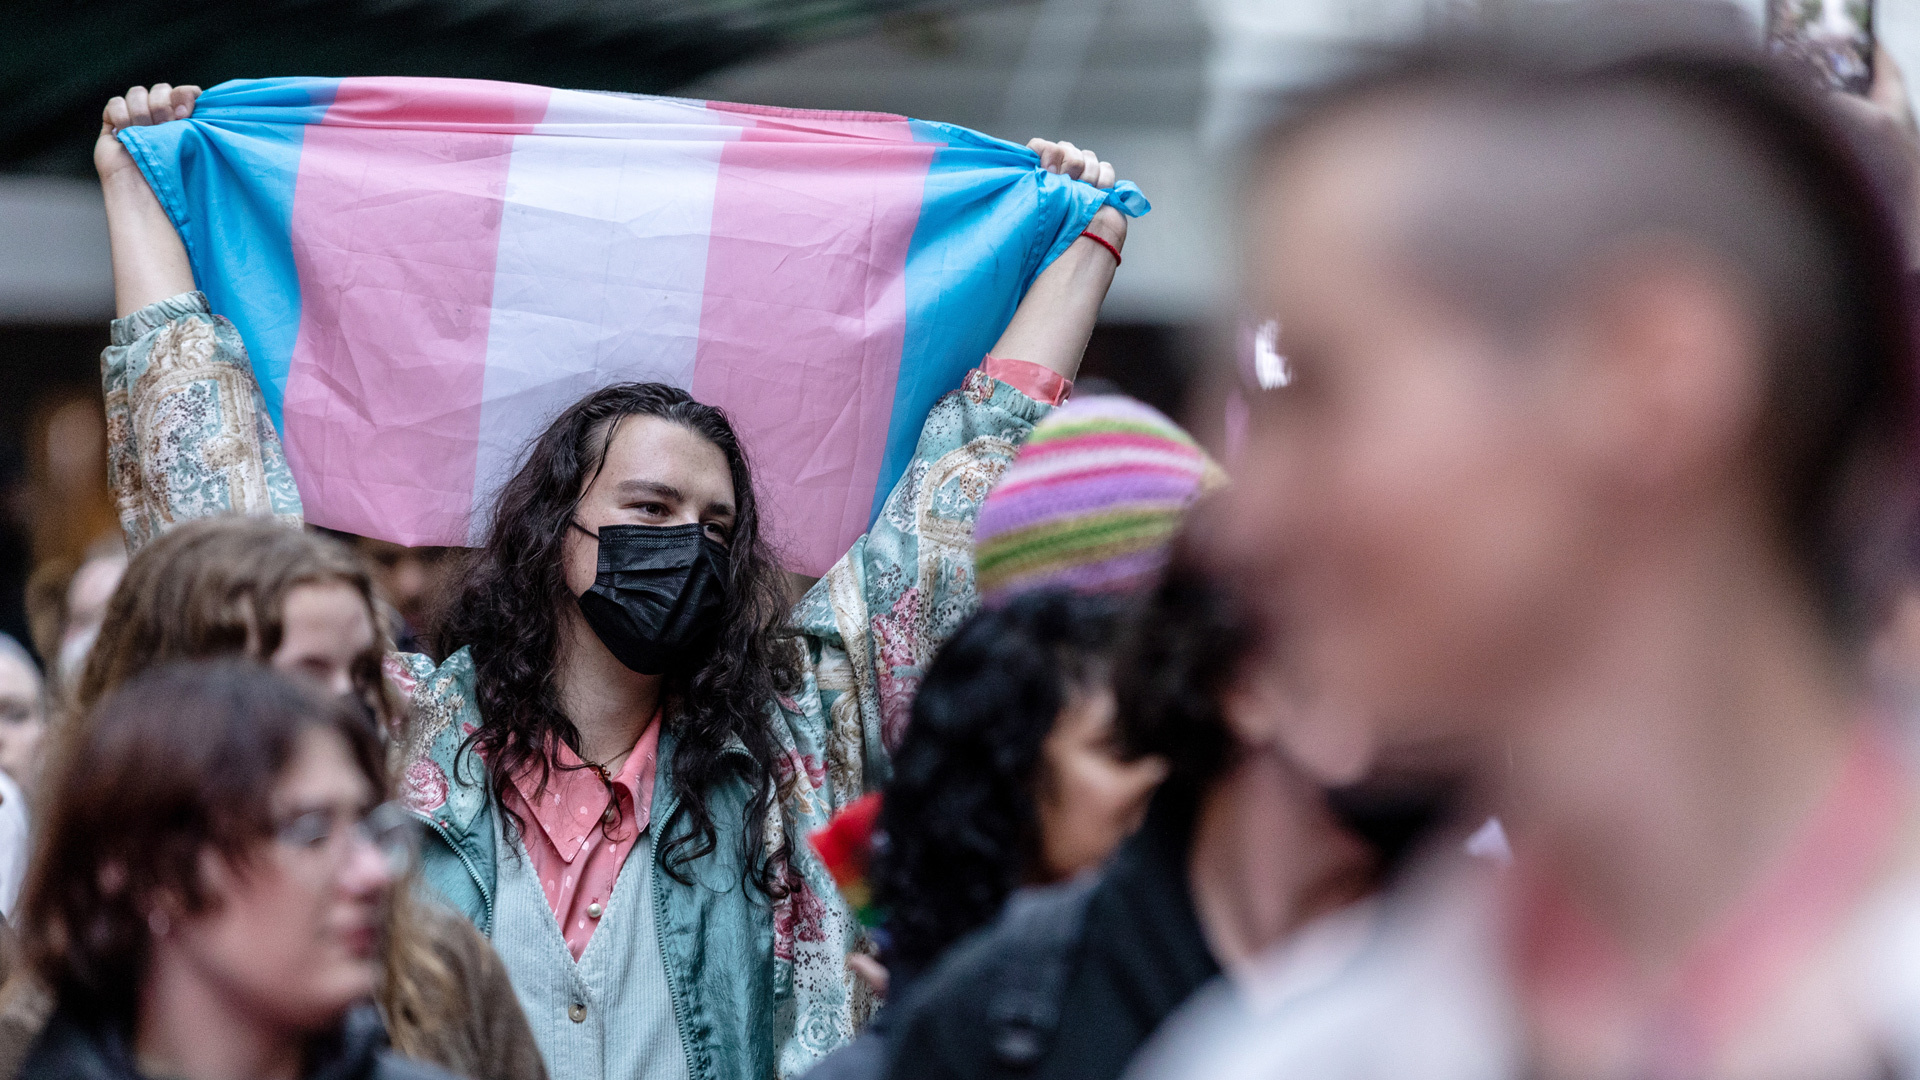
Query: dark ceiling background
[{"x": 61, "y": 59}]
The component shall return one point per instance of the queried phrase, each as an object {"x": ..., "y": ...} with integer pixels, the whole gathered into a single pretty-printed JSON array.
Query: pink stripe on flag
[
  {"x": 806, "y": 276},
  {"x": 776, "y": 122},
  {"x": 481, "y": 106},
  {"x": 395, "y": 232}
]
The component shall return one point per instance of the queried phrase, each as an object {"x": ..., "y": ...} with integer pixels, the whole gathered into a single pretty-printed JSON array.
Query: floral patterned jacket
[{"x": 756, "y": 987}]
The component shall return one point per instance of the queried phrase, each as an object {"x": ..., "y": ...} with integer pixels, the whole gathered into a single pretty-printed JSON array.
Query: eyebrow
[{"x": 669, "y": 492}]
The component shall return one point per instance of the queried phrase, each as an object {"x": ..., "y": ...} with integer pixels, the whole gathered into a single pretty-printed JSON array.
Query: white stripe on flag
[{"x": 601, "y": 272}]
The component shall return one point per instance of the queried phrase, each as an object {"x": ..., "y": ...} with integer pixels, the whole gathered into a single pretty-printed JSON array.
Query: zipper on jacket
[
  {"x": 486, "y": 898},
  {"x": 659, "y": 901}
]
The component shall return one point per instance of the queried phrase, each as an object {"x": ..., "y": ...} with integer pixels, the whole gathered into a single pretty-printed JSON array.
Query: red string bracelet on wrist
[{"x": 1105, "y": 243}]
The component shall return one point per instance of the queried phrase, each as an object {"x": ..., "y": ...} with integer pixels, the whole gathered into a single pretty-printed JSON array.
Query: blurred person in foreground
[
  {"x": 1010, "y": 772},
  {"x": 1889, "y": 142},
  {"x": 303, "y": 604},
  {"x": 1238, "y": 849},
  {"x": 207, "y": 903},
  {"x": 1601, "y": 384}
]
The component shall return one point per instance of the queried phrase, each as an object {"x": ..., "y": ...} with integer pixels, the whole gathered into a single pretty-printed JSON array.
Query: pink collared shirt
[{"x": 577, "y": 838}]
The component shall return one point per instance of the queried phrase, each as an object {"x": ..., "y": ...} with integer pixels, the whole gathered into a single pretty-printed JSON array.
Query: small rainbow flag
[{"x": 846, "y": 847}]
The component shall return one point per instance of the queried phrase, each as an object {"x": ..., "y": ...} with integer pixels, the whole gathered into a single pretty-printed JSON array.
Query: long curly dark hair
[
  {"x": 513, "y": 591},
  {"x": 959, "y": 820}
]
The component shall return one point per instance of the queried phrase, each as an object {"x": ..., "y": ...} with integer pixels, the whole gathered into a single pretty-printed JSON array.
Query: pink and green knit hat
[{"x": 1092, "y": 501}]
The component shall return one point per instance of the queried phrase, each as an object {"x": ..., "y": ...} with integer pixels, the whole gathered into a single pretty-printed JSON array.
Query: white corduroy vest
[{"x": 609, "y": 1015}]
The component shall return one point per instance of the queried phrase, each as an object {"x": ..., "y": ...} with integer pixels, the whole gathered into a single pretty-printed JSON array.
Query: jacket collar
[{"x": 460, "y": 792}]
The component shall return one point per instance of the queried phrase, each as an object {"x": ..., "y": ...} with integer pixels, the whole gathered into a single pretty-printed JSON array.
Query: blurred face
[
  {"x": 87, "y": 596},
  {"x": 1895, "y": 656},
  {"x": 326, "y": 630},
  {"x": 409, "y": 578},
  {"x": 1089, "y": 799},
  {"x": 1413, "y": 507},
  {"x": 292, "y": 938},
  {"x": 23, "y": 720},
  {"x": 657, "y": 473}
]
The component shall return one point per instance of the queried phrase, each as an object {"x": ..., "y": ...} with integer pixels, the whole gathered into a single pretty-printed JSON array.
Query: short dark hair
[
  {"x": 959, "y": 820},
  {"x": 179, "y": 760},
  {"x": 1600, "y": 122},
  {"x": 1184, "y": 647}
]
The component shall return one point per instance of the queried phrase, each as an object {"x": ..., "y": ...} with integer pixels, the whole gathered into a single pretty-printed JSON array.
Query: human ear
[{"x": 1664, "y": 371}]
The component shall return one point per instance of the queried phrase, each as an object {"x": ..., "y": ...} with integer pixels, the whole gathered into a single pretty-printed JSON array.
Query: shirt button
[
  {"x": 577, "y": 1012},
  {"x": 593, "y": 911},
  {"x": 612, "y": 815}
]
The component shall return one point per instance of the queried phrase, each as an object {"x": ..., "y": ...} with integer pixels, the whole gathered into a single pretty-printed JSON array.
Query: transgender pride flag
[{"x": 426, "y": 271}]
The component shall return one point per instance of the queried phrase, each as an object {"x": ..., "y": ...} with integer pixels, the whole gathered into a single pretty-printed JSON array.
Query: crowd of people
[{"x": 1522, "y": 687}]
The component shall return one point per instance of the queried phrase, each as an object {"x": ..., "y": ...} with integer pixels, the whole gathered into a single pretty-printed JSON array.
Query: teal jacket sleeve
[
  {"x": 873, "y": 622},
  {"x": 188, "y": 434}
]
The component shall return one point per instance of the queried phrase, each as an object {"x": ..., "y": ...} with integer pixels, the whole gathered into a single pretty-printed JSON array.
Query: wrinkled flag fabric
[{"x": 427, "y": 271}]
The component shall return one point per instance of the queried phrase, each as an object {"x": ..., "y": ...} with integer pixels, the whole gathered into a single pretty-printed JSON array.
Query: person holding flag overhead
[{"x": 633, "y": 732}]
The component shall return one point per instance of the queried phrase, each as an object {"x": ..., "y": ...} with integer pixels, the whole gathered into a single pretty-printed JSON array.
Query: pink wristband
[{"x": 1042, "y": 385}]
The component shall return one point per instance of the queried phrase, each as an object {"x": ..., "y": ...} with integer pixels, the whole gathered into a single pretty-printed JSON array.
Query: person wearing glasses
[
  {"x": 303, "y": 604},
  {"x": 208, "y": 903}
]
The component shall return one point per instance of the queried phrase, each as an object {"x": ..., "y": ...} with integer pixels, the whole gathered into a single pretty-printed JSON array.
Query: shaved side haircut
[{"x": 1570, "y": 135}]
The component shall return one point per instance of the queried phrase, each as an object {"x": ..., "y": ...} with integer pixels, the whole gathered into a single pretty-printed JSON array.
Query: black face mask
[{"x": 657, "y": 594}]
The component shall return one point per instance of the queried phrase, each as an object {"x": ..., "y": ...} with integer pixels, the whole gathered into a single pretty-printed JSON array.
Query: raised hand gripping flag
[{"x": 426, "y": 271}]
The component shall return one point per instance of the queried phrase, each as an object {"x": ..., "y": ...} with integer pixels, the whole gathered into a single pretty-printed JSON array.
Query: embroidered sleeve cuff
[
  {"x": 1040, "y": 384},
  {"x": 156, "y": 315}
]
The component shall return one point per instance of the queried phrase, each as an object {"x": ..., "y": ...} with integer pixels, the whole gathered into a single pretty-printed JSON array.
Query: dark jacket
[
  {"x": 481, "y": 1034},
  {"x": 1071, "y": 980},
  {"x": 68, "y": 1050}
]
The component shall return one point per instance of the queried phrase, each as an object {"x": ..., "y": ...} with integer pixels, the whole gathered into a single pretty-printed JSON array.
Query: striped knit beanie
[{"x": 1092, "y": 501}]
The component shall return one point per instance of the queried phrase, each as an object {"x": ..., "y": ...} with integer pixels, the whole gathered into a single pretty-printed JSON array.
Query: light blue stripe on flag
[
  {"x": 240, "y": 185},
  {"x": 990, "y": 221}
]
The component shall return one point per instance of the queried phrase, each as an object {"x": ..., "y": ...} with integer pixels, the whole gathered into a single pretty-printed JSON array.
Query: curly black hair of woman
[
  {"x": 510, "y": 600},
  {"x": 960, "y": 829}
]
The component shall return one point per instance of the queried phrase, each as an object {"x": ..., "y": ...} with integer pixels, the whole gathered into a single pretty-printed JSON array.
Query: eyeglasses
[{"x": 388, "y": 828}]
